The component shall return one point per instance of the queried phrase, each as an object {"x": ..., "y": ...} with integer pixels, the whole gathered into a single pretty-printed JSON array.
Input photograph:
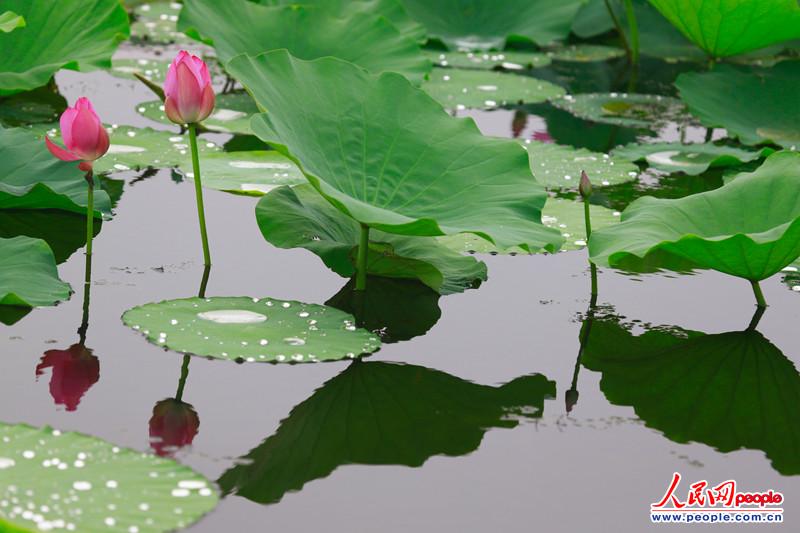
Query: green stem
[
  {"x": 361, "y": 266},
  {"x": 760, "y": 301},
  {"x": 204, "y": 282},
  {"x": 198, "y": 190},
  {"x": 634, "y": 28},
  {"x": 87, "y": 274},
  {"x": 89, "y": 213},
  {"x": 620, "y": 31},
  {"x": 184, "y": 375},
  {"x": 587, "y": 219}
]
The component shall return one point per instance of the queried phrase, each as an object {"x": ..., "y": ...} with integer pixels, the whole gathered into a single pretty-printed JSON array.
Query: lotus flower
[
  {"x": 585, "y": 187},
  {"x": 84, "y": 135},
  {"x": 75, "y": 370},
  {"x": 189, "y": 96},
  {"x": 173, "y": 425}
]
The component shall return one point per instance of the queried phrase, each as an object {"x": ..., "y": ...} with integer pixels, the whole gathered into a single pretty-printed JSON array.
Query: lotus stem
[
  {"x": 184, "y": 374},
  {"x": 87, "y": 274},
  {"x": 620, "y": 30},
  {"x": 204, "y": 282},
  {"x": 760, "y": 301},
  {"x": 361, "y": 266},
  {"x": 756, "y": 318},
  {"x": 198, "y": 190},
  {"x": 585, "y": 190},
  {"x": 89, "y": 213},
  {"x": 634, "y": 28}
]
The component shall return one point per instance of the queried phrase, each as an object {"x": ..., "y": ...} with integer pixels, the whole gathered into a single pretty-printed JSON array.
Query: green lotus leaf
[
  {"x": 393, "y": 309},
  {"x": 462, "y": 88},
  {"x": 31, "y": 178},
  {"x": 10, "y": 21},
  {"x": 156, "y": 22},
  {"x": 692, "y": 159},
  {"x": 377, "y": 413},
  {"x": 592, "y": 20},
  {"x": 252, "y": 330},
  {"x": 63, "y": 232},
  {"x": 730, "y": 27},
  {"x": 585, "y": 53},
  {"x": 28, "y": 274},
  {"x": 385, "y": 154},
  {"x": 729, "y": 390},
  {"x": 153, "y": 69},
  {"x": 631, "y": 110},
  {"x": 759, "y": 106},
  {"x": 43, "y": 46},
  {"x": 252, "y": 173},
  {"x": 748, "y": 228},
  {"x": 357, "y": 34},
  {"x": 506, "y": 60},
  {"x": 487, "y": 24},
  {"x": 559, "y": 167},
  {"x": 232, "y": 113},
  {"x": 791, "y": 276},
  {"x": 300, "y": 217},
  {"x": 75, "y": 482},
  {"x": 563, "y": 215},
  {"x": 42, "y": 105},
  {"x": 10, "y": 315}
]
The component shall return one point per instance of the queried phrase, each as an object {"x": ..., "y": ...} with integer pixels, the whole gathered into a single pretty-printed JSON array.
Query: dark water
[{"x": 597, "y": 468}]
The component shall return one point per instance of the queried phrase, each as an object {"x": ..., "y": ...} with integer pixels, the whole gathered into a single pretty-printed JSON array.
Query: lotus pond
[{"x": 464, "y": 265}]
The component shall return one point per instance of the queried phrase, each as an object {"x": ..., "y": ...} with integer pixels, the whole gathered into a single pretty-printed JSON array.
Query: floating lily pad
[
  {"x": 585, "y": 53},
  {"x": 300, "y": 217},
  {"x": 506, "y": 60},
  {"x": 631, "y": 110},
  {"x": 563, "y": 215},
  {"x": 153, "y": 69},
  {"x": 791, "y": 276},
  {"x": 557, "y": 166},
  {"x": 729, "y": 390},
  {"x": 28, "y": 274},
  {"x": 157, "y": 22},
  {"x": 487, "y": 24},
  {"x": 692, "y": 159},
  {"x": 759, "y": 106},
  {"x": 73, "y": 482},
  {"x": 748, "y": 228},
  {"x": 31, "y": 178},
  {"x": 252, "y": 173},
  {"x": 252, "y": 329},
  {"x": 42, "y": 105},
  {"x": 64, "y": 232},
  {"x": 377, "y": 413},
  {"x": 357, "y": 34},
  {"x": 10, "y": 21},
  {"x": 231, "y": 114},
  {"x": 481, "y": 89},
  {"x": 43, "y": 46},
  {"x": 386, "y": 155}
]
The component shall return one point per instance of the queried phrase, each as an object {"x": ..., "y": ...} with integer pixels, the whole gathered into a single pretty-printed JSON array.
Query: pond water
[{"x": 597, "y": 467}]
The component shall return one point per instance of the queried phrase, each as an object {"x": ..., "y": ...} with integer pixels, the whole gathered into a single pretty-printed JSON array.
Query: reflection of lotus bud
[
  {"x": 585, "y": 187},
  {"x": 571, "y": 398},
  {"x": 173, "y": 425},
  {"x": 518, "y": 122},
  {"x": 542, "y": 137},
  {"x": 75, "y": 370}
]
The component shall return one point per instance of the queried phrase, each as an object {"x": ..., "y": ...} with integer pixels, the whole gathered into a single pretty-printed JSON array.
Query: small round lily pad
[
  {"x": 157, "y": 23},
  {"x": 252, "y": 329},
  {"x": 559, "y": 166},
  {"x": 154, "y": 70},
  {"x": 231, "y": 113},
  {"x": 692, "y": 159},
  {"x": 507, "y": 60},
  {"x": 54, "y": 481},
  {"x": 482, "y": 89},
  {"x": 622, "y": 109},
  {"x": 252, "y": 173},
  {"x": 585, "y": 53}
]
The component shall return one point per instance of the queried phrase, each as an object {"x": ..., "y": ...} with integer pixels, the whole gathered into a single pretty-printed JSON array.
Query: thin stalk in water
[
  {"x": 760, "y": 301},
  {"x": 630, "y": 14},
  {"x": 620, "y": 30},
  {"x": 198, "y": 190},
  {"x": 184, "y": 375},
  {"x": 87, "y": 275},
  {"x": 361, "y": 263},
  {"x": 585, "y": 189}
]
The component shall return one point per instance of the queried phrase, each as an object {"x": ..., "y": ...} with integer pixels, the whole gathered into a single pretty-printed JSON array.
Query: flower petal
[
  {"x": 66, "y": 120},
  {"x": 59, "y": 152},
  {"x": 189, "y": 96},
  {"x": 86, "y": 134},
  {"x": 172, "y": 111},
  {"x": 207, "y": 103}
]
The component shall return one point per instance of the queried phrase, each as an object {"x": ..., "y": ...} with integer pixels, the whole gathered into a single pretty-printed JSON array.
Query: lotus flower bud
[
  {"x": 174, "y": 424},
  {"x": 75, "y": 370},
  {"x": 84, "y": 136},
  {"x": 571, "y": 398},
  {"x": 188, "y": 94},
  {"x": 585, "y": 187}
]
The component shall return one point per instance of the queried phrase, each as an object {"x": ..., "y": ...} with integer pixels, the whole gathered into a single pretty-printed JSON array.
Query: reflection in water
[
  {"x": 394, "y": 309},
  {"x": 728, "y": 390},
  {"x": 377, "y": 413},
  {"x": 518, "y": 123}
]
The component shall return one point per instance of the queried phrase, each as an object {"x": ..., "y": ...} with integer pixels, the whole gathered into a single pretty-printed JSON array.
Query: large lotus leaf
[
  {"x": 559, "y": 167},
  {"x": 156, "y": 22},
  {"x": 80, "y": 36},
  {"x": 300, "y": 217},
  {"x": 42, "y": 105},
  {"x": 631, "y": 110},
  {"x": 728, "y": 27},
  {"x": 487, "y": 24},
  {"x": 28, "y": 274},
  {"x": 563, "y": 215},
  {"x": 357, "y": 34},
  {"x": 251, "y": 173},
  {"x": 692, "y": 159},
  {"x": 506, "y": 60},
  {"x": 729, "y": 390},
  {"x": 10, "y": 21},
  {"x": 377, "y": 413},
  {"x": 757, "y": 106},
  {"x": 592, "y": 20},
  {"x": 64, "y": 232},
  {"x": 462, "y": 88},
  {"x": 73, "y": 482},
  {"x": 31, "y": 178},
  {"x": 748, "y": 228},
  {"x": 394, "y": 309},
  {"x": 387, "y": 155},
  {"x": 232, "y": 113},
  {"x": 252, "y": 329}
]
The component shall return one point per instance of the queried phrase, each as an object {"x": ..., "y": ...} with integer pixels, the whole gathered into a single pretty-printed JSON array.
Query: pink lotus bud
[
  {"x": 189, "y": 96},
  {"x": 585, "y": 187},
  {"x": 84, "y": 135}
]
